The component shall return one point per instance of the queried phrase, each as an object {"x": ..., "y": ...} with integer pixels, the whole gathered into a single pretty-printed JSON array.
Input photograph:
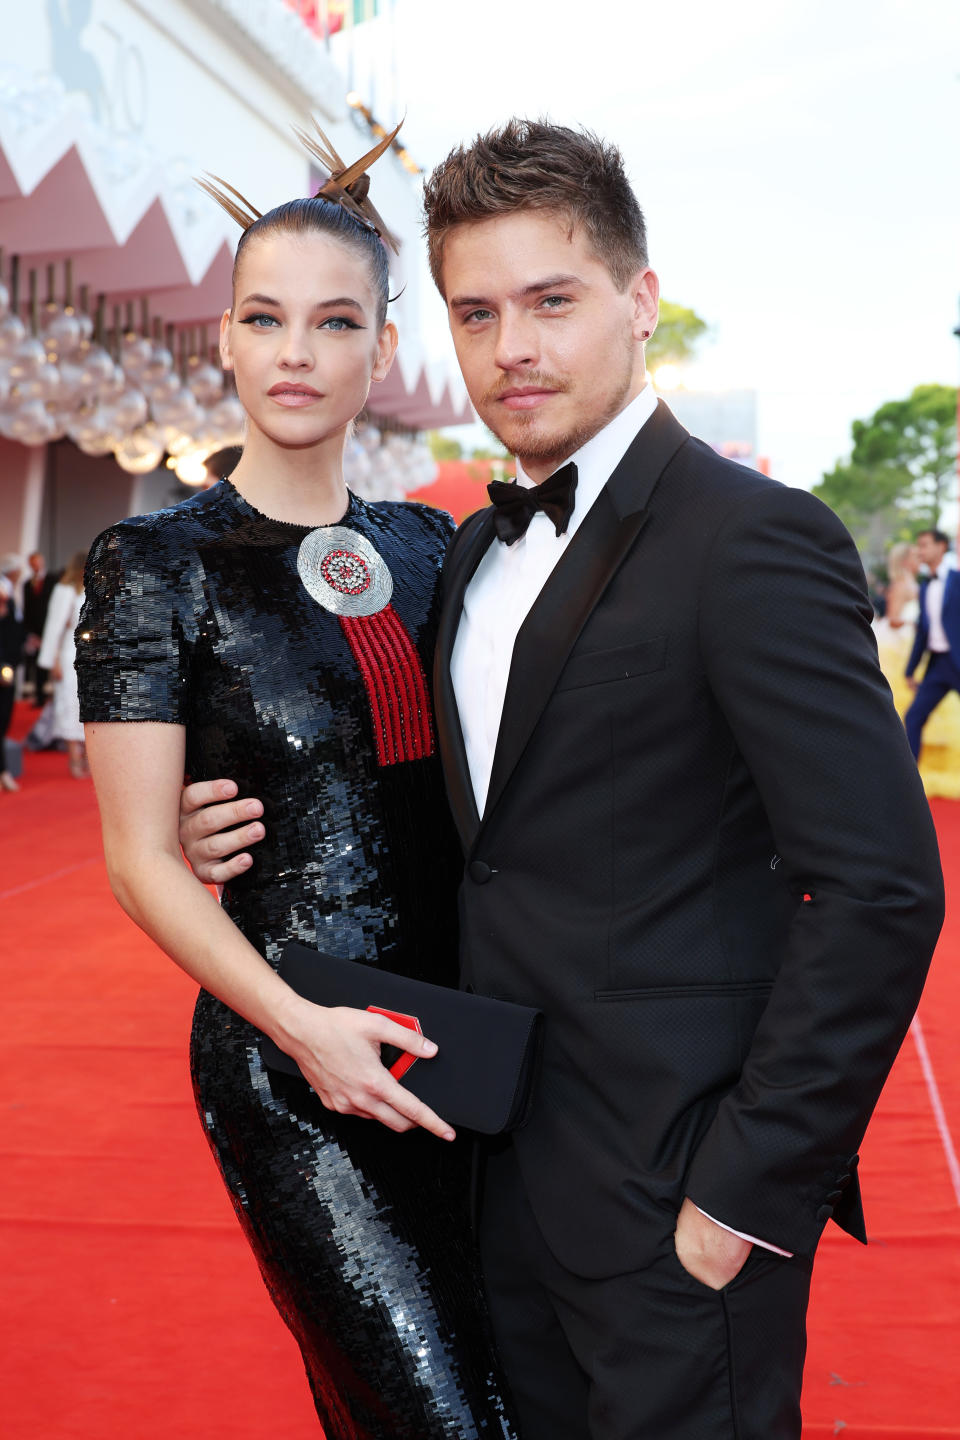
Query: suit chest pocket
[{"x": 625, "y": 662}]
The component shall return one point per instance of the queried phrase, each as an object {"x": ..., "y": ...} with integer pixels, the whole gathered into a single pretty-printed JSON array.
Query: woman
[
  {"x": 278, "y": 629},
  {"x": 57, "y": 652},
  {"x": 894, "y": 631}
]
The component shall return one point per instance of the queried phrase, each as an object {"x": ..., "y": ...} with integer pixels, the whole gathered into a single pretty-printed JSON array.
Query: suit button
[
  {"x": 843, "y": 1181},
  {"x": 825, "y": 1212},
  {"x": 480, "y": 871}
]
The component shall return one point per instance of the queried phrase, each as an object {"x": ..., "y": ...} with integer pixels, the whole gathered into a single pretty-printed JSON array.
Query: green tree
[
  {"x": 444, "y": 447},
  {"x": 675, "y": 339},
  {"x": 901, "y": 469}
]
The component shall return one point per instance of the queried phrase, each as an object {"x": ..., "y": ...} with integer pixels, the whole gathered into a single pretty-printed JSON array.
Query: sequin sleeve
[{"x": 132, "y": 659}]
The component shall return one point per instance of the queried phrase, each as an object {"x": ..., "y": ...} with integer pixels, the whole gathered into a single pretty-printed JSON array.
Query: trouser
[
  {"x": 650, "y": 1355},
  {"x": 33, "y": 673},
  {"x": 942, "y": 676}
]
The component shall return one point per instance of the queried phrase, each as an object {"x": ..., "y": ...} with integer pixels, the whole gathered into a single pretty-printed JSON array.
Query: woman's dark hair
[{"x": 314, "y": 215}]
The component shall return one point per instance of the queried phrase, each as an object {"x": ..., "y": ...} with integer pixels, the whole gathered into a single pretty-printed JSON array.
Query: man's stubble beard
[{"x": 545, "y": 448}]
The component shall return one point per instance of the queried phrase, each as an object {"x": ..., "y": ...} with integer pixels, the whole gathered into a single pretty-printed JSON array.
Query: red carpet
[{"x": 131, "y": 1307}]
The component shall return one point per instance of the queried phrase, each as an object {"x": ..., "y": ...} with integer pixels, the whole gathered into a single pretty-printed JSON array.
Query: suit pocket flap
[{"x": 598, "y": 667}]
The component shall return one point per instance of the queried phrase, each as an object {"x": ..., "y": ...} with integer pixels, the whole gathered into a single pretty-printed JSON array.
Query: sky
[{"x": 797, "y": 164}]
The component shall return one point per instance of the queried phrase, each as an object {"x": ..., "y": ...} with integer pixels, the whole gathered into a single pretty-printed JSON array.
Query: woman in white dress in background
[{"x": 57, "y": 653}]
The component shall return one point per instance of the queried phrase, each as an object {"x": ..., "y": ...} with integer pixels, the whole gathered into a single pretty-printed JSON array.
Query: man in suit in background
[
  {"x": 938, "y": 634},
  {"x": 672, "y": 759},
  {"x": 37, "y": 590}
]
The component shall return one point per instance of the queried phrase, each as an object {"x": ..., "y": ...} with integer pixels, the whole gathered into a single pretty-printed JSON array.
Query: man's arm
[{"x": 791, "y": 661}]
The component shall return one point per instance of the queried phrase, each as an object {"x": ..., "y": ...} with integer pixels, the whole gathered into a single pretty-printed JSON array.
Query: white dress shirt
[
  {"x": 501, "y": 594},
  {"x": 936, "y": 635},
  {"x": 507, "y": 582}
]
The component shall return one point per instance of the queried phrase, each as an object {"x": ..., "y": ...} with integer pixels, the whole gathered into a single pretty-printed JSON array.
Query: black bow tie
[{"x": 515, "y": 505}]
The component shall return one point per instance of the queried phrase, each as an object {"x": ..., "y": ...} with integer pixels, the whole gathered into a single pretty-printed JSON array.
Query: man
[
  {"x": 938, "y": 632},
  {"x": 663, "y": 725},
  {"x": 36, "y": 601}
]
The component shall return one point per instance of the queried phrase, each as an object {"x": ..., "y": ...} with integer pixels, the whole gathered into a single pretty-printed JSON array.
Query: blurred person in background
[
  {"x": 56, "y": 655},
  {"x": 937, "y": 636},
  {"x": 894, "y": 630},
  {"x": 11, "y": 644},
  {"x": 37, "y": 590}
]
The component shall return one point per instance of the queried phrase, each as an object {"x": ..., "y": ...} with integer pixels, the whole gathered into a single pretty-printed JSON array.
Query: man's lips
[
  {"x": 293, "y": 395},
  {"x": 524, "y": 397}
]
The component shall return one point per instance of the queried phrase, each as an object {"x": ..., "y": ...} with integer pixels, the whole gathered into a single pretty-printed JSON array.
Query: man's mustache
[{"x": 537, "y": 380}]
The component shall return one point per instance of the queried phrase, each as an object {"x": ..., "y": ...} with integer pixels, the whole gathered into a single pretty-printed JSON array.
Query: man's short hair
[
  {"x": 532, "y": 165},
  {"x": 937, "y": 535}
]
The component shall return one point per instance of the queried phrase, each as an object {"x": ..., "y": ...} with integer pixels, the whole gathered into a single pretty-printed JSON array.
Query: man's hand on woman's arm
[{"x": 216, "y": 828}]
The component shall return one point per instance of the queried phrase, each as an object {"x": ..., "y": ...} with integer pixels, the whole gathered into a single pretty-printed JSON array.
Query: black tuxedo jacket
[
  {"x": 695, "y": 737},
  {"x": 36, "y": 604}
]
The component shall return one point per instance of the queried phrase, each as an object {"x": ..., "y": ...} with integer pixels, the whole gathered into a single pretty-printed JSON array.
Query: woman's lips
[{"x": 292, "y": 397}]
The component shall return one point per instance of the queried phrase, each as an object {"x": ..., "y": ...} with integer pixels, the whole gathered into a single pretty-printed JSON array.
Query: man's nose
[{"x": 517, "y": 343}]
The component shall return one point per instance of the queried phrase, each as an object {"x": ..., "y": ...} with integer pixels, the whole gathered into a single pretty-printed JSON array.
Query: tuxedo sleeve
[{"x": 791, "y": 661}]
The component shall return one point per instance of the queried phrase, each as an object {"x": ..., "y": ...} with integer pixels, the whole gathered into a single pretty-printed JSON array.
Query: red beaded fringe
[{"x": 396, "y": 685}]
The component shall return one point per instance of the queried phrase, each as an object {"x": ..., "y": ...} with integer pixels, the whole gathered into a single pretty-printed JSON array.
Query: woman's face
[{"x": 302, "y": 337}]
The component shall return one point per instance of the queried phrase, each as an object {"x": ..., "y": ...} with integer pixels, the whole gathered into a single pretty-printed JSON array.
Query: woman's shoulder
[
  {"x": 158, "y": 537},
  {"x": 413, "y": 516}
]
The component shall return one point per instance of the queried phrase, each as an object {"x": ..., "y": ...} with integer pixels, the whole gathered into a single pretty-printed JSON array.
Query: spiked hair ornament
[{"x": 348, "y": 185}]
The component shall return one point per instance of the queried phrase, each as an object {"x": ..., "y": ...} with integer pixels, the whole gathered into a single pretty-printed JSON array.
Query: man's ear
[
  {"x": 644, "y": 291},
  {"x": 226, "y": 354}
]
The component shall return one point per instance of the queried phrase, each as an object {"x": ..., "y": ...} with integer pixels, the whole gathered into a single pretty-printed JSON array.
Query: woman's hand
[
  {"x": 56, "y": 672},
  {"x": 338, "y": 1051}
]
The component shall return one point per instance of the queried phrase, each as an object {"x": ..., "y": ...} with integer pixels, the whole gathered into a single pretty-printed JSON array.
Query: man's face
[
  {"x": 35, "y": 561},
  {"x": 930, "y": 551},
  {"x": 550, "y": 349}
]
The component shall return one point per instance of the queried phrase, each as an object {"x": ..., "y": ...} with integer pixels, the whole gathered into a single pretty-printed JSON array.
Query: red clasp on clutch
[{"x": 402, "y": 1064}]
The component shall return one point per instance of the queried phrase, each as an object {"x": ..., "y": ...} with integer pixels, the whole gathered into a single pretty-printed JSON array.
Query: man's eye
[
  {"x": 260, "y": 321},
  {"x": 554, "y": 302},
  {"x": 478, "y": 315}
]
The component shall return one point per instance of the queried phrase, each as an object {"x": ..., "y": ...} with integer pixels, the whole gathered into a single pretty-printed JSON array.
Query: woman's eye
[
  {"x": 338, "y": 322},
  {"x": 260, "y": 321}
]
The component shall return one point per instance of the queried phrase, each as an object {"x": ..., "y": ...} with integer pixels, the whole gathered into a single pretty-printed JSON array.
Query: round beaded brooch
[{"x": 343, "y": 572}]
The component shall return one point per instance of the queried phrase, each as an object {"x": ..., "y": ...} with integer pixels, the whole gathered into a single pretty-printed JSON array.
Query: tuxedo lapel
[
  {"x": 577, "y": 583},
  {"x": 466, "y": 553}
]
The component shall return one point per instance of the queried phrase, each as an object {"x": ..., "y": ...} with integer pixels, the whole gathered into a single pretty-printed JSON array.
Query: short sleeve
[{"x": 132, "y": 661}]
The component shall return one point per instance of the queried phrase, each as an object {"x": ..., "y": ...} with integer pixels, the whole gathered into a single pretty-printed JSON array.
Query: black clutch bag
[{"x": 482, "y": 1075}]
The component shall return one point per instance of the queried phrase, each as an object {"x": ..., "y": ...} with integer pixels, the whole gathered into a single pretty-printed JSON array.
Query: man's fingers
[
  {"x": 205, "y": 822},
  {"x": 226, "y": 870},
  {"x": 205, "y": 792},
  {"x": 224, "y": 842}
]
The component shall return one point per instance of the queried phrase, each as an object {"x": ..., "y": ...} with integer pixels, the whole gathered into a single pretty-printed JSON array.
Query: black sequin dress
[{"x": 197, "y": 616}]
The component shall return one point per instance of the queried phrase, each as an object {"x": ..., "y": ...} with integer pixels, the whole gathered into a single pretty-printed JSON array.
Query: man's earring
[{"x": 646, "y": 334}]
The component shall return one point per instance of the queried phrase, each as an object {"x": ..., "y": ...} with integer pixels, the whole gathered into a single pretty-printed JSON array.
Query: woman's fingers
[{"x": 351, "y": 1079}]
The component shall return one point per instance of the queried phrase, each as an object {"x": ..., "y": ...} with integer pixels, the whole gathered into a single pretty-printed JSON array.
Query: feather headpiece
[{"x": 348, "y": 185}]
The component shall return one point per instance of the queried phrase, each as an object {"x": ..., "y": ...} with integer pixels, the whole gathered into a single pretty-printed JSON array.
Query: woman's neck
[{"x": 301, "y": 486}]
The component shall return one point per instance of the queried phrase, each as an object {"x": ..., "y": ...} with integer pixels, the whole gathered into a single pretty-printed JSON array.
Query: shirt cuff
[{"x": 764, "y": 1244}]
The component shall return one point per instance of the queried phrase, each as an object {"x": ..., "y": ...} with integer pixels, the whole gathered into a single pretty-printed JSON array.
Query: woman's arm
[{"x": 138, "y": 772}]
